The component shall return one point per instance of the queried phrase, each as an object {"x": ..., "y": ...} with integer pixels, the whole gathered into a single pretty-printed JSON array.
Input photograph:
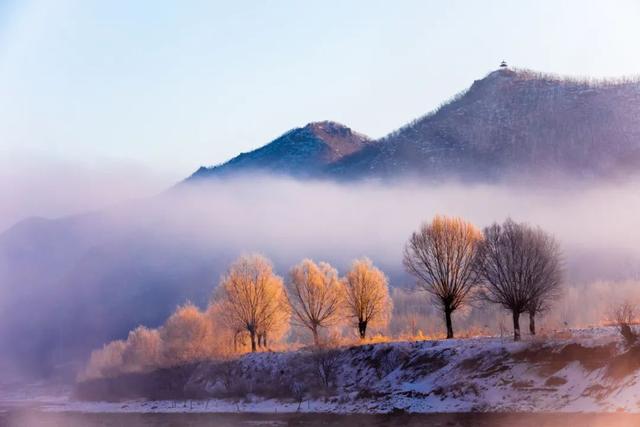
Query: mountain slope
[
  {"x": 515, "y": 122},
  {"x": 304, "y": 151},
  {"x": 510, "y": 123}
]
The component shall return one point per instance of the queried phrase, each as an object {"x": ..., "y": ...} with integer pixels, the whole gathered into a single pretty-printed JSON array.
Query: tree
[
  {"x": 230, "y": 337},
  {"x": 276, "y": 326},
  {"x": 520, "y": 269},
  {"x": 624, "y": 315},
  {"x": 367, "y": 298},
  {"x": 441, "y": 255},
  {"x": 546, "y": 292},
  {"x": 187, "y": 336},
  {"x": 105, "y": 362},
  {"x": 252, "y": 297},
  {"x": 315, "y": 296},
  {"x": 143, "y": 351}
]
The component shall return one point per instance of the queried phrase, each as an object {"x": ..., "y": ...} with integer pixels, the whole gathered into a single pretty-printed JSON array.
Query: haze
[{"x": 133, "y": 263}]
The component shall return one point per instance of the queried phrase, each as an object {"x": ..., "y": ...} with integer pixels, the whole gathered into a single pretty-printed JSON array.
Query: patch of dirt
[
  {"x": 597, "y": 391},
  {"x": 522, "y": 384},
  {"x": 426, "y": 363},
  {"x": 550, "y": 360},
  {"x": 555, "y": 381},
  {"x": 624, "y": 364},
  {"x": 471, "y": 364},
  {"x": 493, "y": 370}
]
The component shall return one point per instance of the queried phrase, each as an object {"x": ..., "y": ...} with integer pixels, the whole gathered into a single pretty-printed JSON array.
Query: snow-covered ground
[{"x": 576, "y": 371}]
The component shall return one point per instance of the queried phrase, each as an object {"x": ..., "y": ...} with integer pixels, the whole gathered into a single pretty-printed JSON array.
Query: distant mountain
[
  {"x": 305, "y": 151},
  {"x": 510, "y": 123}
]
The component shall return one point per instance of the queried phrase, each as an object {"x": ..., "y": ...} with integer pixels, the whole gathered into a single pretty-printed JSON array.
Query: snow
[{"x": 480, "y": 374}]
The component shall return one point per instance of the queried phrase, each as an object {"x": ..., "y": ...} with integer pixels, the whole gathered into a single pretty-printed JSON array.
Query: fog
[
  {"x": 70, "y": 285},
  {"x": 32, "y": 186}
]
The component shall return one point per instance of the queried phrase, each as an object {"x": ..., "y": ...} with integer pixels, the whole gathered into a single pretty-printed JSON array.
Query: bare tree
[
  {"x": 541, "y": 300},
  {"x": 441, "y": 256},
  {"x": 327, "y": 362},
  {"x": 315, "y": 296},
  {"x": 367, "y": 298},
  {"x": 520, "y": 268},
  {"x": 624, "y": 315},
  {"x": 252, "y": 296}
]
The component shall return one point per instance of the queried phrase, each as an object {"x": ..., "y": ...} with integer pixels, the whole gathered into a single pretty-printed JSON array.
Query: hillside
[
  {"x": 587, "y": 370},
  {"x": 511, "y": 123},
  {"x": 304, "y": 151}
]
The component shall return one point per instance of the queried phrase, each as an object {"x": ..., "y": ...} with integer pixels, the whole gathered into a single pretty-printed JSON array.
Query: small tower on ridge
[{"x": 503, "y": 65}]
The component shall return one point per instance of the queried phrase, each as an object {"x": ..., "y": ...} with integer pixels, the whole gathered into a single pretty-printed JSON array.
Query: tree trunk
[
  {"x": 447, "y": 317},
  {"x": 253, "y": 340},
  {"x": 532, "y": 322},
  {"x": 264, "y": 340},
  {"x": 362, "y": 329},
  {"x": 516, "y": 326},
  {"x": 316, "y": 338}
]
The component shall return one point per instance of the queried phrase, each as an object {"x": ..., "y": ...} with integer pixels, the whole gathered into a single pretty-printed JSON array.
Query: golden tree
[
  {"x": 441, "y": 255},
  {"x": 315, "y": 296},
  {"x": 367, "y": 299},
  {"x": 253, "y": 298},
  {"x": 187, "y": 336}
]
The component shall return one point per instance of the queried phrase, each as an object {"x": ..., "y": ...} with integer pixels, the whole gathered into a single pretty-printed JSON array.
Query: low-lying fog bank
[{"x": 72, "y": 284}]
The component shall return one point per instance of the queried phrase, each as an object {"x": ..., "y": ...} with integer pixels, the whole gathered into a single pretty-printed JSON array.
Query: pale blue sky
[{"x": 171, "y": 85}]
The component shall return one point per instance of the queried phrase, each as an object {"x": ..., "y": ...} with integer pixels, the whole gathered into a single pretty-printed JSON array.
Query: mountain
[
  {"x": 510, "y": 123},
  {"x": 305, "y": 151}
]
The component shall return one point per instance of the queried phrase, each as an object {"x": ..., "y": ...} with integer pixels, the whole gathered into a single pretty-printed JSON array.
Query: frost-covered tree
[
  {"x": 187, "y": 336},
  {"x": 143, "y": 351},
  {"x": 253, "y": 297},
  {"x": 315, "y": 296},
  {"x": 520, "y": 268},
  {"x": 105, "y": 362},
  {"x": 367, "y": 299},
  {"x": 275, "y": 327},
  {"x": 441, "y": 255}
]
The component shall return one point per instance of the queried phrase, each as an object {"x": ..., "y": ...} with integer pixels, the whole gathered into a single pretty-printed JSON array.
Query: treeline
[{"x": 513, "y": 265}]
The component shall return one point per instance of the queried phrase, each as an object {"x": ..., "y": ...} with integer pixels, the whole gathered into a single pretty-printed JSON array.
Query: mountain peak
[
  {"x": 302, "y": 151},
  {"x": 501, "y": 73},
  {"x": 341, "y": 138},
  {"x": 328, "y": 127},
  {"x": 325, "y": 125}
]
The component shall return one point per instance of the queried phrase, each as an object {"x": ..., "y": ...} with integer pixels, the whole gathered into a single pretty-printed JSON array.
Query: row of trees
[
  {"x": 254, "y": 301},
  {"x": 512, "y": 264},
  {"x": 252, "y": 304}
]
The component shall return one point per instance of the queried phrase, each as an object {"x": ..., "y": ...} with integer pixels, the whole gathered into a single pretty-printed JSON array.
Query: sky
[{"x": 159, "y": 88}]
